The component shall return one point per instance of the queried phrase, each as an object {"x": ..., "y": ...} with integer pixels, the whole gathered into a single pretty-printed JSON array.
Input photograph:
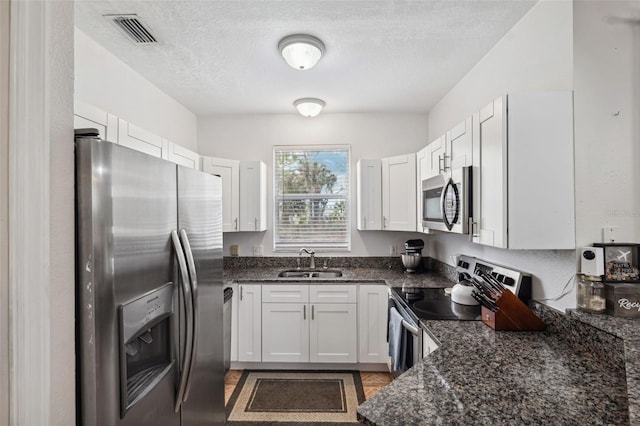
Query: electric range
[{"x": 436, "y": 303}]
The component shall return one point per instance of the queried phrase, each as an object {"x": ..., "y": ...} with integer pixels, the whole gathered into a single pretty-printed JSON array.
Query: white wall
[
  {"x": 108, "y": 83},
  {"x": 535, "y": 55},
  {"x": 61, "y": 225},
  {"x": 252, "y": 137},
  {"x": 607, "y": 119},
  {"x": 4, "y": 212}
]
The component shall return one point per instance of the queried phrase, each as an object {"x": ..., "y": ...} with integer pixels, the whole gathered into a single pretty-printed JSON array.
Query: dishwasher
[{"x": 226, "y": 327}]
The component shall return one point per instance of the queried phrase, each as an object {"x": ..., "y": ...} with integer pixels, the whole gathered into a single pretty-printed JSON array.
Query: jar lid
[{"x": 590, "y": 277}]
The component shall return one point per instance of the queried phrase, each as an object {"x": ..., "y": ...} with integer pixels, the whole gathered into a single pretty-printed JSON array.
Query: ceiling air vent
[{"x": 133, "y": 28}]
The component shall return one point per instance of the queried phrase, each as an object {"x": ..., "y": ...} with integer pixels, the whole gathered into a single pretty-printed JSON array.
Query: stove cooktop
[{"x": 435, "y": 304}]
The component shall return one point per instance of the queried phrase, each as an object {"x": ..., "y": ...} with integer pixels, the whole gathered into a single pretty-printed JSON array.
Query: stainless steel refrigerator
[{"x": 149, "y": 289}]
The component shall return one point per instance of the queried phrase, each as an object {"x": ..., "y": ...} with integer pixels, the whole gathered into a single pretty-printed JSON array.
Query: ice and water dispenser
[{"x": 146, "y": 352}]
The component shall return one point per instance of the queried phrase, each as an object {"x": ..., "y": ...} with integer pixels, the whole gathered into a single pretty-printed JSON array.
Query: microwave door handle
[
  {"x": 191, "y": 265},
  {"x": 187, "y": 300}
]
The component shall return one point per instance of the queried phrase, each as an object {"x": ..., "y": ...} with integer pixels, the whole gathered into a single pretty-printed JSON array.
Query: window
[{"x": 311, "y": 198}]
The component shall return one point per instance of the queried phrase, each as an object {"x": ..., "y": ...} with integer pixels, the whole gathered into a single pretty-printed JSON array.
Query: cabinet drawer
[
  {"x": 285, "y": 293},
  {"x": 332, "y": 293}
]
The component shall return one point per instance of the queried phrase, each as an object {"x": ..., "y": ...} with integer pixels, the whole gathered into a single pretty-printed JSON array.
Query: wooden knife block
[{"x": 513, "y": 315}]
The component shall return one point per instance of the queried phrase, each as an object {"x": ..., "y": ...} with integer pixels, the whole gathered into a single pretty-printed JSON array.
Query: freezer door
[
  {"x": 126, "y": 209},
  {"x": 200, "y": 228}
]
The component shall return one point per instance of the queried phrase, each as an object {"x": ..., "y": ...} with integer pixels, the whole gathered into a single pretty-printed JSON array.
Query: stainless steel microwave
[{"x": 446, "y": 201}]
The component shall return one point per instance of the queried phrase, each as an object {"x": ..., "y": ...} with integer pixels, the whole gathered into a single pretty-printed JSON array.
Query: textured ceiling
[{"x": 219, "y": 57}]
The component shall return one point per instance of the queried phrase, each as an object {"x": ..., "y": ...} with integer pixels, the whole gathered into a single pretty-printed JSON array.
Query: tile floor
[{"x": 372, "y": 382}]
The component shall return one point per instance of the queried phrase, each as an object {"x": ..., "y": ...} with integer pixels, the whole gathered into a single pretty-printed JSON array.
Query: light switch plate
[
  {"x": 234, "y": 250},
  {"x": 609, "y": 234},
  {"x": 258, "y": 250}
]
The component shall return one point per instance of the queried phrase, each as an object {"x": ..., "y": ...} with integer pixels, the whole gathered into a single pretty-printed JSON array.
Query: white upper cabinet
[
  {"x": 253, "y": 196},
  {"x": 459, "y": 142},
  {"x": 181, "y": 155},
  {"x": 399, "y": 193},
  {"x": 431, "y": 159},
  {"x": 244, "y": 193},
  {"x": 369, "y": 195},
  {"x": 88, "y": 116},
  {"x": 523, "y": 175},
  {"x": 137, "y": 138},
  {"x": 229, "y": 171}
]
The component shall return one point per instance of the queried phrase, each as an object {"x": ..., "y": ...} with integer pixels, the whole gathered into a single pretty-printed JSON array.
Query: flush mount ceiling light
[
  {"x": 301, "y": 51},
  {"x": 309, "y": 107}
]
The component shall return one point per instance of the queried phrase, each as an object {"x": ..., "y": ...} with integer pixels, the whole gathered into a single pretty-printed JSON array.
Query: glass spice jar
[{"x": 591, "y": 296}]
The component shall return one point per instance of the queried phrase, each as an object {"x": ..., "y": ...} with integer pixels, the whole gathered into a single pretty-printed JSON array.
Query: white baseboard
[{"x": 306, "y": 366}]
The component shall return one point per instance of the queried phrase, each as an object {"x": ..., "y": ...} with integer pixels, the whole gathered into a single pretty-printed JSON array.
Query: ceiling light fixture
[
  {"x": 309, "y": 107},
  {"x": 301, "y": 51}
]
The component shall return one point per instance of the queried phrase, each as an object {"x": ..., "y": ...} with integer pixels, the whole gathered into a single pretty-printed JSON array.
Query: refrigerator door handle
[
  {"x": 184, "y": 239},
  {"x": 188, "y": 307}
]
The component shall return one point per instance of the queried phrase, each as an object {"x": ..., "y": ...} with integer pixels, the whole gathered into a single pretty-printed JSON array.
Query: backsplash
[
  {"x": 388, "y": 262},
  {"x": 233, "y": 262}
]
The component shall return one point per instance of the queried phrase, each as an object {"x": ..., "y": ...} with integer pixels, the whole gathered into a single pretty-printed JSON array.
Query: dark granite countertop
[
  {"x": 584, "y": 369},
  {"x": 480, "y": 376}
]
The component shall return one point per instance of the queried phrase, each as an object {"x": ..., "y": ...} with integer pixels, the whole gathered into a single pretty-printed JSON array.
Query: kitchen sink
[{"x": 309, "y": 274}]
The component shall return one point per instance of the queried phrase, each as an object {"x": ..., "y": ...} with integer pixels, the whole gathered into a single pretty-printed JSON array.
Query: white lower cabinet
[
  {"x": 372, "y": 323},
  {"x": 309, "y": 323},
  {"x": 333, "y": 332},
  {"x": 286, "y": 332},
  {"x": 249, "y": 322}
]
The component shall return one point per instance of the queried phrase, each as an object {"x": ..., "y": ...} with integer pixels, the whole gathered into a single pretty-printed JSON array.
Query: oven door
[{"x": 415, "y": 334}]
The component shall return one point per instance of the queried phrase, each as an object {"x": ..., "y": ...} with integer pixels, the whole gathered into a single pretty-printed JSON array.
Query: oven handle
[{"x": 412, "y": 329}]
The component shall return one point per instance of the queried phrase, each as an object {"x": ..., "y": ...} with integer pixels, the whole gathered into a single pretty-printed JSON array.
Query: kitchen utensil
[{"x": 411, "y": 261}]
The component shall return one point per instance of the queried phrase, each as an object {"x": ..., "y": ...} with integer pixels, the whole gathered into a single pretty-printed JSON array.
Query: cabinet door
[
  {"x": 433, "y": 157},
  {"x": 459, "y": 145},
  {"x": 399, "y": 193},
  {"x": 372, "y": 323},
  {"x": 229, "y": 171},
  {"x": 285, "y": 336},
  {"x": 490, "y": 175},
  {"x": 541, "y": 202},
  {"x": 181, "y": 155},
  {"x": 89, "y": 116},
  {"x": 333, "y": 332},
  {"x": 253, "y": 196},
  {"x": 369, "y": 195},
  {"x": 249, "y": 323},
  {"x": 137, "y": 138}
]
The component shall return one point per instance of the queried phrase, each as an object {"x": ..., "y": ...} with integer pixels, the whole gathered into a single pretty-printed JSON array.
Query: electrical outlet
[
  {"x": 609, "y": 234},
  {"x": 393, "y": 250},
  {"x": 258, "y": 250}
]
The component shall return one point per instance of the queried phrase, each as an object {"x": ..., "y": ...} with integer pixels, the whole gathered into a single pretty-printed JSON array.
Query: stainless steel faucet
[{"x": 312, "y": 262}]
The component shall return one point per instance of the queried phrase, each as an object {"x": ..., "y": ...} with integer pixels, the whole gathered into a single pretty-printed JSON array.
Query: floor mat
[{"x": 301, "y": 397}]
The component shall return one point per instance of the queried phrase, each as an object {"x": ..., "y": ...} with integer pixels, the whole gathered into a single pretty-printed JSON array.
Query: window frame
[{"x": 319, "y": 248}]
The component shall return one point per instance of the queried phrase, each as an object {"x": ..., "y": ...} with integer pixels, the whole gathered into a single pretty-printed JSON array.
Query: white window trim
[{"x": 318, "y": 248}]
